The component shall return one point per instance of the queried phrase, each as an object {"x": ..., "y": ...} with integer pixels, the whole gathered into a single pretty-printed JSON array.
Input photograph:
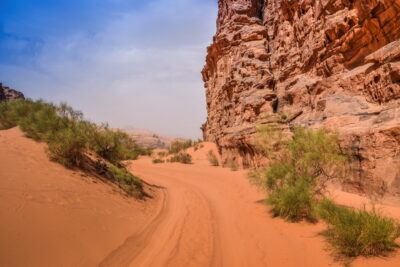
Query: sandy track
[
  {"x": 200, "y": 216},
  {"x": 213, "y": 217}
]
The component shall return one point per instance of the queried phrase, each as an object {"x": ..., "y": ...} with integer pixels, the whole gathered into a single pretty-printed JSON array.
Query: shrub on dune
[
  {"x": 125, "y": 180},
  {"x": 69, "y": 136},
  {"x": 212, "y": 158},
  {"x": 157, "y": 161},
  {"x": 182, "y": 157},
  {"x": 178, "y": 146}
]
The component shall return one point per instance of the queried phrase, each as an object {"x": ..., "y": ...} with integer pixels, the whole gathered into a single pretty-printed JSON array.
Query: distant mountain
[
  {"x": 8, "y": 94},
  {"x": 149, "y": 139}
]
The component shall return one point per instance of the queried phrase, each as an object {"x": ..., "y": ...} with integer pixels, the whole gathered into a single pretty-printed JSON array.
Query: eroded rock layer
[
  {"x": 8, "y": 94},
  {"x": 318, "y": 63}
]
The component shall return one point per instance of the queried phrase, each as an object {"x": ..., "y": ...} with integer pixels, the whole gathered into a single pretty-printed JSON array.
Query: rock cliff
[
  {"x": 150, "y": 139},
  {"x": 317, "y": 63},
  {"x": 7, "y": 94}
]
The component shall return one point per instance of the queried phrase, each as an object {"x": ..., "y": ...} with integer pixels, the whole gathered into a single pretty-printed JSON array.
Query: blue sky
[{"x": 126, "y": 62}]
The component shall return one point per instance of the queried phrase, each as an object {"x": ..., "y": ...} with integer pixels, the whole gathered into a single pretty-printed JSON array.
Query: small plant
[
  {"x": 293, "y": 202},
  {"x": 125, "y": 180},
  {"x": 198, "y": 144},
  {"x": 283, "y": 115},
  {"x": 178, "y": 146},
  {"x": 157, "y": 161},
  {"x": 67, "y": 147},
  {"x": 233, "y": 166},
  {"x": 182, "y": 157},
  {"x": 212, "y": 158},
  {"x": 359, "y": 232},
  {"x": 162, "y": 154}
]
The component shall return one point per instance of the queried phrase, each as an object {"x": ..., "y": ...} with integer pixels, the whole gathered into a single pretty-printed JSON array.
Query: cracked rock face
[
  {"x": 8, "y": 94},
  {"x": 319, "y": 63}
]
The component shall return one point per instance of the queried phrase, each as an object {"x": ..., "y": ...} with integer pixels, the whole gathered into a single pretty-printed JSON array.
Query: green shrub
[
  {"x": 178, "y": 146},
  {"x": 67, "y": 147},
  {"x": 66, "y": 132},
  {"x": 233, "y": 166},
  {"x": 212, "y": 158},
  {"x": 197, "y": 144},
  {"x": 125, "y": 180},
  {"x": 156, "y": 161},
  {"x": 162, "y": 154},
  {"x": 293, "y": 202},
  {"x": 182, "y": 157},
  {"x": 359, "y": 232},
  {"x": 300, "y": 165},
  {"x": 114, "y": 145}
]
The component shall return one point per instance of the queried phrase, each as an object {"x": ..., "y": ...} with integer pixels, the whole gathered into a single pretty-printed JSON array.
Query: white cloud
[{"x": 141, "y": 69}]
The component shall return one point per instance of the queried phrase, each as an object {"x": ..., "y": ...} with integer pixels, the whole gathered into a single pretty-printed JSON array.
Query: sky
[{"x": 126, "y": 62}]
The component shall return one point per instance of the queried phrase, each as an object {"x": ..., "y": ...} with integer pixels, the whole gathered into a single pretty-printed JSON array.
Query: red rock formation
[
  {"x": 320, "y": 63},
  {"x": 7, "y": 94}
]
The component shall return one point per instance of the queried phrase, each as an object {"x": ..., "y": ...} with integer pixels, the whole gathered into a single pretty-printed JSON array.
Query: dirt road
[
  {"x": 200, "y": 216},
  {"x": 212, "y": 216}
]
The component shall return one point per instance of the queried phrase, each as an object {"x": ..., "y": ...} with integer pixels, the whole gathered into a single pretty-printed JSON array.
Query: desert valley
[{"x": 298, "y": 165}]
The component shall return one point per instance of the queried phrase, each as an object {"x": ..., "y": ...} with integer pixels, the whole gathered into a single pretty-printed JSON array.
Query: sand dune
[
  {"x": 51, "y": 216},
  {"x": 201, "y": 216}
]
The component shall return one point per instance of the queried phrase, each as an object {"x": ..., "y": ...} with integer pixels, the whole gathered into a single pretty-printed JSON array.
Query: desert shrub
[
  {"x": 114, "y": 145},
  {"x": 125, "y": 180},
  {"x": 182, "y": 157},
  {"x": 66, "y": 132},
  {"x": 50, "y": 123},
  {"x": 212, "y": 158},
  {"x": 233, "y": 166},
  {"x": 293, "y": 202},
  {"x": 156, "y": 161},
  {"x": 178, "y": 146},
  {"x": 299, "y": 169},
  {"x": 162, "y": 154},
  {"x": 67, "y": 147},
  {"x": 197, "y": 144},
  {"x": 359, "y": 232}
]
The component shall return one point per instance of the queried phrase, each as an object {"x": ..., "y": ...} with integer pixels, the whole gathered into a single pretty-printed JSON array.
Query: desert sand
[
  {"x": 199, "y": 216},
  {"x": 52, "y": 216}
]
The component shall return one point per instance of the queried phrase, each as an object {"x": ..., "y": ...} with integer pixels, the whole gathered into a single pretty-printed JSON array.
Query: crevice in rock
[
  {"x": 275, "y": 105},
  {"x": 260, "y": 9}
]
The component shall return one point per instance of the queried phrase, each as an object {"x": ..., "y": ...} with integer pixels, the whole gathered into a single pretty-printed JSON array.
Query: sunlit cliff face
[{"x": 332, "y": 64}]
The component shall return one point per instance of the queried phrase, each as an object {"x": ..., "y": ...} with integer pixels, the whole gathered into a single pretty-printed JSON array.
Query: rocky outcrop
[
  {"x": 149, "y": 139},
  {"x": 8, "y": 94},
  {"x": 317, "y": 63}
]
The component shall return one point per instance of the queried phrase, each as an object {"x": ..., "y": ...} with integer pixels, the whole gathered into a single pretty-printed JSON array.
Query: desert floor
[{"x": 198, "y": 215}]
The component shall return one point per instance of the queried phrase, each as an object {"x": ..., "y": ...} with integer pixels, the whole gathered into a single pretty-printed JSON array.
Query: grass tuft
[
  {"x": 212, "y": 158},
  {"x": 182, "y": 157},
  {"x": 157, "y": 161},
  {"x": 294, "y": 202},
  {"x": 179, "y": 146},
  {"x": 125, "y": 180},
  {"x": 359, "y": 232}
]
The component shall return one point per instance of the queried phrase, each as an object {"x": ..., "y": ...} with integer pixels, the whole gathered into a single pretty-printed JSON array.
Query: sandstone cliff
[
  {"x": 149, "y": 139},
  {"x": 7, "y": 94},
  {"x": 318, "y": 63}
]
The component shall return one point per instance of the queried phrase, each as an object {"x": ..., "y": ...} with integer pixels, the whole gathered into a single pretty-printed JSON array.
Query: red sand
[
  {"x": 51, "y": 216},
  {"x": 202, "y": 216}
]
